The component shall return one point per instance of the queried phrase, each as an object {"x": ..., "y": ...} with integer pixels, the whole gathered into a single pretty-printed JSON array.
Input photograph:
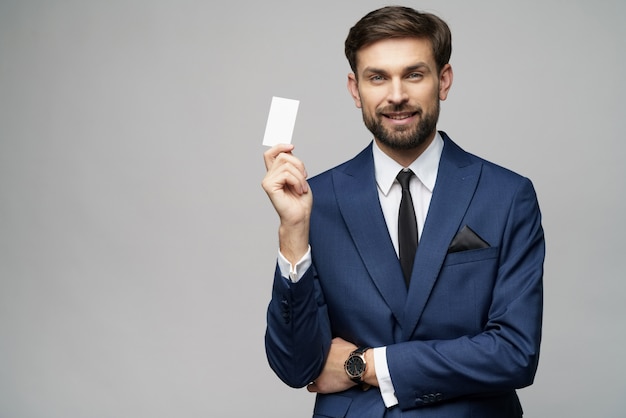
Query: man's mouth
[{"x": 400, "y": 116}]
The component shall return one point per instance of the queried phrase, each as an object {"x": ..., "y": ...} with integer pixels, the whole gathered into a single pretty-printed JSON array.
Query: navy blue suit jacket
[{"x": 462, "y": 337}]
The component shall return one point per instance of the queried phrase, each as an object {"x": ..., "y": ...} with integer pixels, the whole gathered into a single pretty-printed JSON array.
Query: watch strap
[{"x": 361, "y": 350}]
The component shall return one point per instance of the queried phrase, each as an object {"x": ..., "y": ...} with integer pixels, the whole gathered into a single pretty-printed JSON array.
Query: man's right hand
[{"x": 285, "y": 184}]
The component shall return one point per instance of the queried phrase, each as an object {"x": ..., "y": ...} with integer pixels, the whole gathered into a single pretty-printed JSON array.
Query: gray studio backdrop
[{"x": 137, "y": 247}]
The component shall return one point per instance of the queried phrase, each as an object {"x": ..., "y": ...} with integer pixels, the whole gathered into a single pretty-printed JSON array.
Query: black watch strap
[
  {"x": 359, "y": 381},
  {"x": 361, "y": 350}
]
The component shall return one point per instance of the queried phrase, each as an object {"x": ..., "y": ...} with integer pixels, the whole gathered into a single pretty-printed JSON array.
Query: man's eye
[
  {"x": 415, "y": 75},
  {"x": 376, "y": 78}
]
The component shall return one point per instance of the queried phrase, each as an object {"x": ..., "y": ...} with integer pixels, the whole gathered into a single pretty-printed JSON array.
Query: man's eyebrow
[
  {"x": 419, "y": 66},
  {"x": 422, "y": 66},
  {"x": 374, "y": 70}
]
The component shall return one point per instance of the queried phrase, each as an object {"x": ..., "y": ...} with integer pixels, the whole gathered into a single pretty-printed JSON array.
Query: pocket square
[{"x": 466, "y": 239}]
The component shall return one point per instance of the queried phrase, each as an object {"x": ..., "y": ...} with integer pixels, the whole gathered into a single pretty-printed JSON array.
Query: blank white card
[{"x": 280, "y": 121}]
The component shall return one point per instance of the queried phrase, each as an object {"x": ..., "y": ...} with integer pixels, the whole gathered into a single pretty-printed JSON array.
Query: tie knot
[{"x": 404, "y": 177}]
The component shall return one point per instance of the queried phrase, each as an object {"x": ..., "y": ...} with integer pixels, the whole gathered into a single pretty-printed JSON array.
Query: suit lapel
[
  {"x": 457, "y": 179},
  {"x": 357, "y": 197}
]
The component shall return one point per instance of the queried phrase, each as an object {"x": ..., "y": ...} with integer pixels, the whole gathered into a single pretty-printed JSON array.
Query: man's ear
[
  {"x": 445, "y": 81},
  {"x": 353, "y": 88}
]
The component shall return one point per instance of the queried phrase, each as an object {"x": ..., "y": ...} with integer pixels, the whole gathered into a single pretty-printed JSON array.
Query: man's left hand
[{"x": 334, "y": 377}]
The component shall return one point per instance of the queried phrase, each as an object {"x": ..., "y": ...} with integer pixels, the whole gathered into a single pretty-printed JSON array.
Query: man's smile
[{"x": 399, "y": 116}]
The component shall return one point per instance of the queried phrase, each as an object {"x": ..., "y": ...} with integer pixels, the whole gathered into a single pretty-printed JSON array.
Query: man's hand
[
  {"x": 334, "y": 377},
  {"x": 285, "y": 184}
]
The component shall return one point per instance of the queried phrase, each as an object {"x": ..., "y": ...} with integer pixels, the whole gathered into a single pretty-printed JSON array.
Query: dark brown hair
[{"x": 400, "y": 22}]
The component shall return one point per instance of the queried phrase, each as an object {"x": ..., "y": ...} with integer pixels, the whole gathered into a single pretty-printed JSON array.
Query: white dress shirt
[{"x": 422, "y": 184}]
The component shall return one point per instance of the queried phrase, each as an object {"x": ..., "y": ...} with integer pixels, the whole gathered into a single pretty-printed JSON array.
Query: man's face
[{"x": 398, "y": 88}]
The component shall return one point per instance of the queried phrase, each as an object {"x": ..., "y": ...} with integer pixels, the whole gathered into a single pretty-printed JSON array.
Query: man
[{"x": 449, "y": 329}]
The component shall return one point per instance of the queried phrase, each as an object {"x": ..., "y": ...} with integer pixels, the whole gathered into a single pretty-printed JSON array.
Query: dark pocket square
[{"x": 466, "y": 239}]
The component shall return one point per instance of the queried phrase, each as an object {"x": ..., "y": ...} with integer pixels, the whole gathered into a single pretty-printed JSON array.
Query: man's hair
[{"x": 399, "y": 22}]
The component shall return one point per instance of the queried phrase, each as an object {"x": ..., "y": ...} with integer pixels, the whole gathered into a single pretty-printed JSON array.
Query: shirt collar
[{"x": 425, "y": 166}]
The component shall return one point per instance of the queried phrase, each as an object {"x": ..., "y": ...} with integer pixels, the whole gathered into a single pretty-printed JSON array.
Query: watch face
[{"x": 355, "y": 366}]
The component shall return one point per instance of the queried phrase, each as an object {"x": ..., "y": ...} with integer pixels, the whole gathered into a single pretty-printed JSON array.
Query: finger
[
  {"x": 287, "y": 164},
  {"x": 275, "y": 160},
  {"x": 270, "y": 155},
  {"x": 312, "y": 387},
  {"x": 284, "y": 159},
  {"x": 287, "y": 172},
  {"x": 290, "y": 181}
]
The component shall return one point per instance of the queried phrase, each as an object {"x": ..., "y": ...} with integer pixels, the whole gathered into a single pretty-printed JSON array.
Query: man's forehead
[{"x": 405, "y": 52}]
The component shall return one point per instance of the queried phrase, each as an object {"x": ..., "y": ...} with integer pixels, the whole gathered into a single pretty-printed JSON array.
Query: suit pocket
[
  {"x": 331, "y": 406},
  {"x": 460, "y": 300},
  {"x": 470, "y": 256}
]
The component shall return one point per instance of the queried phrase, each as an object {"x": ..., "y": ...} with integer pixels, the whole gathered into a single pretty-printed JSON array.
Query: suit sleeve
[
  {"x": 505, "y": 354},
  {"x": 298, "y": 335}
]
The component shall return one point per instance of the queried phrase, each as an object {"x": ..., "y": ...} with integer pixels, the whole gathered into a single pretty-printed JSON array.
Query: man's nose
[{"x": 397, "y": 92}]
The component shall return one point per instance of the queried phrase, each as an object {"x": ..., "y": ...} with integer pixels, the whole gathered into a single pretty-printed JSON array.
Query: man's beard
[{"x": 403, "y": 137}]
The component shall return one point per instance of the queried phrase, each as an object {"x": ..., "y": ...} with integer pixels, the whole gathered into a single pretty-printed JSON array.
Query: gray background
[{"x": 137, "y": 246}]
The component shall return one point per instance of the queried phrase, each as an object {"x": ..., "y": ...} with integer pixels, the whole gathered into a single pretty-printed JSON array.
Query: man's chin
[
  {"x": 404, "y": 140},
  {"x": 401, "y": 144}
]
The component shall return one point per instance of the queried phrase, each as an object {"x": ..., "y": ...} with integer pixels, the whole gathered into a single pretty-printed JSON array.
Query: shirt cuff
[
  {"x": 385, "y": 384},
  {"x": 294, "y": 273}
]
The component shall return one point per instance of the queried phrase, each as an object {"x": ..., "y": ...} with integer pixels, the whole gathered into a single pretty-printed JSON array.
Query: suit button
[{"x": 429, "y": 398}]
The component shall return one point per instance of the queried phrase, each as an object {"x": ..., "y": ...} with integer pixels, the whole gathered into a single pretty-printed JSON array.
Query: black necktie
[{"x": 407, "y": 226}]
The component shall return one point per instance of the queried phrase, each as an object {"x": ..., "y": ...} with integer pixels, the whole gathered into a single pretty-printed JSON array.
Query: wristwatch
[{"x": 355, "y": 365}]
